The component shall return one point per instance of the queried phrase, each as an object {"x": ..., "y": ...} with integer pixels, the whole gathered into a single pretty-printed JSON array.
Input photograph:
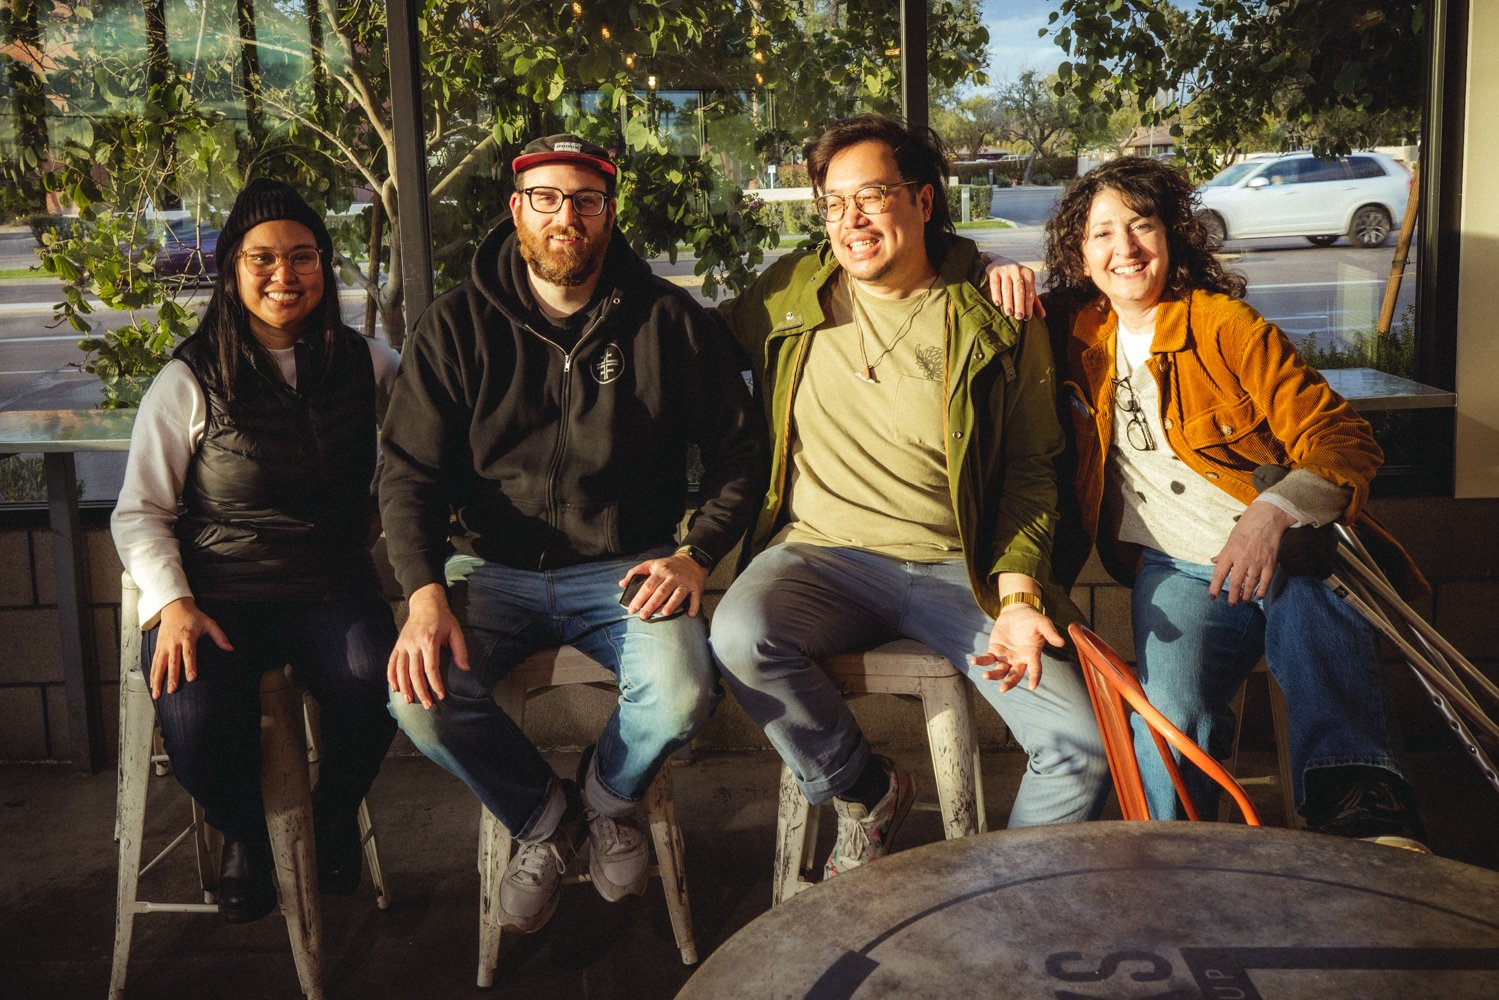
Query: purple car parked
[{"x": 187, "y": 251}]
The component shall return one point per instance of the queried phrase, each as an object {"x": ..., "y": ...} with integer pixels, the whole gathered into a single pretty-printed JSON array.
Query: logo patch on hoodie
[{"x": 607, "y": 365}]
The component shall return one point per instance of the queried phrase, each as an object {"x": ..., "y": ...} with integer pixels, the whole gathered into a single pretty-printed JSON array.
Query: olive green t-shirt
[{"x": 868, "y": 459}]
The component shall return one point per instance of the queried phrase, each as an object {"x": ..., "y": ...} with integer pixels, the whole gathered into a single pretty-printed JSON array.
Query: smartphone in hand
[{"x": 633, "y": 587}]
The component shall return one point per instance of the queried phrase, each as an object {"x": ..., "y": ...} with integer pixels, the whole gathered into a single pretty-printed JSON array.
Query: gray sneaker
[
  {"x": 618, "y": 855},
  {"x": 533, "y": 880}
]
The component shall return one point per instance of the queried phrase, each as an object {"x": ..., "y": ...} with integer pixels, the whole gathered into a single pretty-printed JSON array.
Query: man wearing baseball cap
[{"x": 536, "y": 451}]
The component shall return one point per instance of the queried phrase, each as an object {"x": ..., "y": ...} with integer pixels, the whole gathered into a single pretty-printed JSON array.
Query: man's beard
[{"x": 559, "y": 264}]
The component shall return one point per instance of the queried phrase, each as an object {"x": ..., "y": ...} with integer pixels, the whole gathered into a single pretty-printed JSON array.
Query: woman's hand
[
  {"x": 414, "y": 670},
  {"x": 1012, "y": 286},
  {"x": 1246, "y": 564},
  {"x": 1015, "y": 645},
  {"x": 177, "y": 635}
]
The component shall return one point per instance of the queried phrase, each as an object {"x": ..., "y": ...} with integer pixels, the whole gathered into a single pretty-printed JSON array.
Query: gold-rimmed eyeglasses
[
  {"x": 1137, "y": 430},
  {"x": 264, "y": 263},
  {"x": 871, "y": 201}
]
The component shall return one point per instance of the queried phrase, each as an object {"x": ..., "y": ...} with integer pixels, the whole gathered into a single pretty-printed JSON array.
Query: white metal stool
[
  {"x": 286, "y": 734},
  {"x": 903, "y": 667},
  {"x": 551, "y": 668},
  {"x": 288, "y": 817},
  {"x": 1280, "y": 718}
]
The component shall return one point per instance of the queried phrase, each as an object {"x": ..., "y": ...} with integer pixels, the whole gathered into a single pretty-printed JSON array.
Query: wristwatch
[
  {"x": 1022, "y": 597},
  {"x": 697, "y": 555}
]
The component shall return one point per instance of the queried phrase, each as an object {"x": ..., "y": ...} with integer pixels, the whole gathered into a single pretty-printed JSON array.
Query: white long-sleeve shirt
[{"x": 168, "y": 429}]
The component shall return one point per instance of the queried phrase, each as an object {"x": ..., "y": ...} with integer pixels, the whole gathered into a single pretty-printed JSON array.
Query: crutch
[
  {"x": 1345, "y": 565},
  {"x": 1439, "y": 667}
]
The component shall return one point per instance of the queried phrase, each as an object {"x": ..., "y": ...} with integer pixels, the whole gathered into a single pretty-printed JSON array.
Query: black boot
[
  {"x": 247, "y": 891},
  {"x": 339, "y": 850}
]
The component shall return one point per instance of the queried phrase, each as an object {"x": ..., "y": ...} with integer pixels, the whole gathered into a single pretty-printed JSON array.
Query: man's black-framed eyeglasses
[
  {"x": 871, "y": 200},
  {"x": 1137, "y": 430},
  {"x": 548, "y": 200}
]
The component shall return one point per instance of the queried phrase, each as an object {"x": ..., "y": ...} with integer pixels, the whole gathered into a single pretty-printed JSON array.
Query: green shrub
[
  {"x": 980, "y": 197},
  {"x": 23, "y": 480},
  {"x": 1393, "y": 352},
  {"x": 792, "y": 175},
  {"x": 797, "y": 217},
  {"x": 63, "y": 225}
]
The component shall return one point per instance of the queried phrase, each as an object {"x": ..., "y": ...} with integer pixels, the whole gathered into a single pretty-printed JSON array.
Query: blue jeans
[
  {"x": 337, "y": 649},
  {"x": 796, "y": 603},
  {"x": 667, "y": 688},
  {"x": 1193, "y": 652}
]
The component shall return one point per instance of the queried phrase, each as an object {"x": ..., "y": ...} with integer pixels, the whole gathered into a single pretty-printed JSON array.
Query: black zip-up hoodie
[{"x": 504, "y": 444}]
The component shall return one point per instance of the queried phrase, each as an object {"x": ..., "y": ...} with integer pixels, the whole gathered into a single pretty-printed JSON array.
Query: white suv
[{"x": 1296, "y": 194}]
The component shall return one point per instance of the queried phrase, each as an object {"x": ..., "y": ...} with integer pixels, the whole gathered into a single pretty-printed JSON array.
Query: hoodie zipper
[{"x": 564, "y": 405}]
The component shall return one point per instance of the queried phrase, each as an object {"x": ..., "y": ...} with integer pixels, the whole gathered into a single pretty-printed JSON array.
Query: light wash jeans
[
  {"x": 667, "y": 688},
  {"x": 796, "y": 603},
  {"x": 1193, "y": 652}
]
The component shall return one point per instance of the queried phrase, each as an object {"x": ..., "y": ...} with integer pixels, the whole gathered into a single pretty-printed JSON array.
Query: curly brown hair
[{"x": 1152, "y": 188}]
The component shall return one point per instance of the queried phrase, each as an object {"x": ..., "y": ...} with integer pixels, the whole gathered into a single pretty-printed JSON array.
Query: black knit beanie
[{"x": 265, "y": 200}]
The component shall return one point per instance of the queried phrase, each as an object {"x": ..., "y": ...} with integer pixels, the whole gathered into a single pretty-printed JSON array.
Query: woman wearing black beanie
[{"x": 244, "y": 519}]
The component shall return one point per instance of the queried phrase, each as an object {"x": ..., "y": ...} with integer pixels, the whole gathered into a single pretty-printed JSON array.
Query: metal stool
[
  {"x": 288, "y": 818},
  {"x": 551, "y": 668},
  {"x": 903, "y": 667},
  {"x": 1280, "y": 718},
  {"x": 287, "y": 730}
]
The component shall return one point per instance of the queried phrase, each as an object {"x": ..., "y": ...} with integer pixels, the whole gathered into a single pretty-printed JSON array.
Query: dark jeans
[{"x": 337, "y": 649}]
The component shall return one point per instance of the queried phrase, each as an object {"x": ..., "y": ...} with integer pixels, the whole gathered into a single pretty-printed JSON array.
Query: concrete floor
[{"x": 57, "y": 884}]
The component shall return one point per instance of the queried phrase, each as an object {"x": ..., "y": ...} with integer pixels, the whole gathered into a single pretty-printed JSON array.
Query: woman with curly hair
[
  {"x": 245, "y": 519},
  {"x": 1177, "y": 392}
]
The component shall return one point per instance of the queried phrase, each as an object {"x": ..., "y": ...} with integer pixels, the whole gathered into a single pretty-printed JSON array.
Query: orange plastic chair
[{"x": 1115, "y": 692}]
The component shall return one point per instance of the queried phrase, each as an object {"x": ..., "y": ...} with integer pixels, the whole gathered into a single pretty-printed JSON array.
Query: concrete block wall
[{"x": 1455, "y": 541}]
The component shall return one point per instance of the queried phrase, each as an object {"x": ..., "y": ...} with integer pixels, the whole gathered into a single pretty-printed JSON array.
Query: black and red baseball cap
[{"x": 564, "y": 148}]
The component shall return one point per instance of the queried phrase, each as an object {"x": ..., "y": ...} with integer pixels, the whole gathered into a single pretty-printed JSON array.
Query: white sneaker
[
  {"x": 533, "y": 880},
  {"x": 618, "y": 854},
  {"x": 864, "y": 834}
]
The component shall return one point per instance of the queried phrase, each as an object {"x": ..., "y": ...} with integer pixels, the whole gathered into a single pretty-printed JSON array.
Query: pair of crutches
[{"x": 1348, "y": 568}]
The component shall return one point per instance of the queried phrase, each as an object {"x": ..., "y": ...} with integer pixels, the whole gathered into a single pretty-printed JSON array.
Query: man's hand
[
  {"x": 415, "y": 667},
  {"x": 1015, "y": 645},
  {"x": 1246, "y": 563},
  {"x": 1012, "y": 287},
  {"x": 177, "y": 635},
  {"x": 669, "y": 581}
]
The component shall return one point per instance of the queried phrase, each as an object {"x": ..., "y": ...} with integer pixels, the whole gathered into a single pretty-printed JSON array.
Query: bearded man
[{"x": 536, "y": 454}]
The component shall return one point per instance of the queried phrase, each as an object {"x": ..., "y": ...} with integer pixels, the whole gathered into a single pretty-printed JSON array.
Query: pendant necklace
[{"x": 866, "y": 373}]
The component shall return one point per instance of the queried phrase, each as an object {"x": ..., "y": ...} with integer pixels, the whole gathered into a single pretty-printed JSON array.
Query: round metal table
[{"x": 1123, "y": 911}]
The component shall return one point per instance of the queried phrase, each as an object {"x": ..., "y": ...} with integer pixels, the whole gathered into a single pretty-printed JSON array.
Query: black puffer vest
[{"x": 277, "y": 500}]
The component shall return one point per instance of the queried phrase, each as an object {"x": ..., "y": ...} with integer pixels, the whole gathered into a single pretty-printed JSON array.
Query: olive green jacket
[{"x": 1000, "y": 427}]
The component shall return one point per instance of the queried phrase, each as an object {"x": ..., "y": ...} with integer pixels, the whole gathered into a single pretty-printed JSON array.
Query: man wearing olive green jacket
[{"x": 911, "y": 493}]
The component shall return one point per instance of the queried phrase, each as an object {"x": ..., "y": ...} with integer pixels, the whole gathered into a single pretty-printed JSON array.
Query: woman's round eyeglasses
[{"x": 264, "y": 263}]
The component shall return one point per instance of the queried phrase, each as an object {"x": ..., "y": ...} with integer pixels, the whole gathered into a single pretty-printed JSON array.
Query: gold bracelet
[{"x": 1022, "y": 597}]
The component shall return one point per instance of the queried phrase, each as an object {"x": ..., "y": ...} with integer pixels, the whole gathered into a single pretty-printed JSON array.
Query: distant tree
[
  {"x": 1331, "y": 74},
  {"x": 966, "y": 125},
  {"x": 1031, "y": 112},
  {"x": 312, "y": 80}
]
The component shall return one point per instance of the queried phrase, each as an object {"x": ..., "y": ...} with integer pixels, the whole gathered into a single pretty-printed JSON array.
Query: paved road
[{"x": 1333, "y": 291}]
